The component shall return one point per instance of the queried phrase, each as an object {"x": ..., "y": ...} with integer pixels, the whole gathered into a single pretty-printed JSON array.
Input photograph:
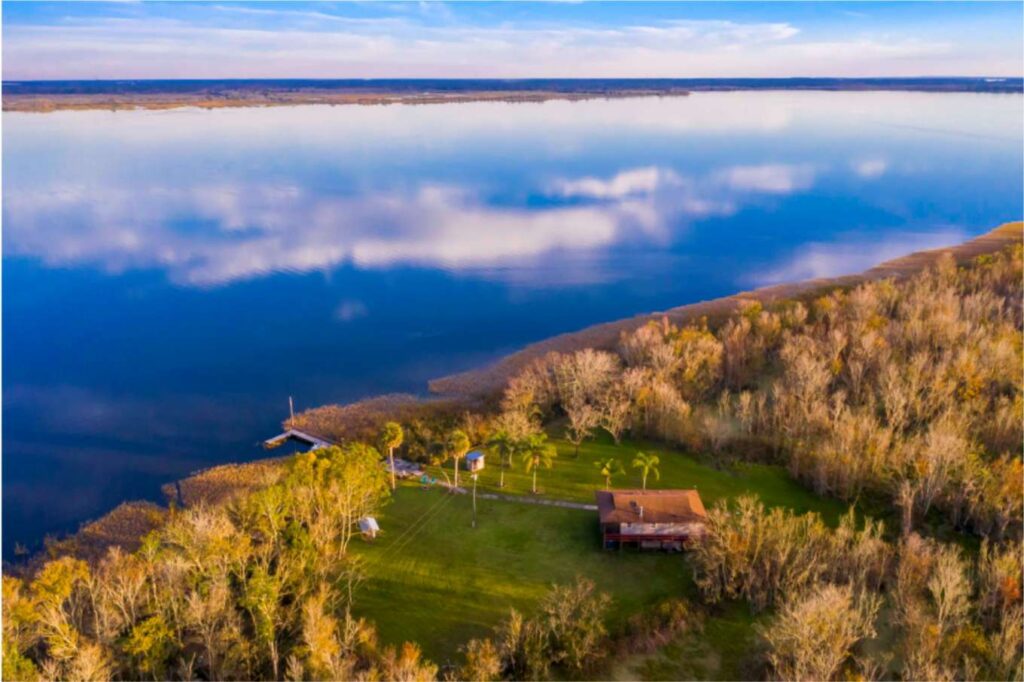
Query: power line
[
  {"x": 425, "y": 521},
  {"x": 417, "y": 525}
]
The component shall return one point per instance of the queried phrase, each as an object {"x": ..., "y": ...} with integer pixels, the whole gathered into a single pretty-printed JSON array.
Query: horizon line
[{"x": 508, "y": 79}]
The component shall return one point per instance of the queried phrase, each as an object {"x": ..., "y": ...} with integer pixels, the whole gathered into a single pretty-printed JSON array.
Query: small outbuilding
[
  {"x": 475, "y": 461},
  {"x": 404, "y": 468},
  {"x": 368, "y": 527},
  {"x": 650, "y": 519}
]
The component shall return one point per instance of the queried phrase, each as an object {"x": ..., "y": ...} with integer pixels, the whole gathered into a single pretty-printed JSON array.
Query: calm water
[{"x": 171, "y": 277}]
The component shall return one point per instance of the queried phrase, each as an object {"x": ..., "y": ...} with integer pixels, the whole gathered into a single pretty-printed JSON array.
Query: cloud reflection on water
[
  {"x": 487, "y": 190},
  {"x": 870, "y": 169},
  {"x": 212, "y": 235},
  {"x": 853, "y": 254},
  {"x": 771, "y": 178}
]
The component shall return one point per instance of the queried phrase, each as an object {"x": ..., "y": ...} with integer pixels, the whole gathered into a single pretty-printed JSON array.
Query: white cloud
[
  {"x": 853, "y": 255},
  {"x": 309, "y": 44},
  {"x": 773, "y": 178},
  {"x": 258, "y": 228},
  {"x": 287, "y": 229},
  {"x": 638, "y": 181},
  {"x": 451, "y": 229},
  {"x": 208, "y": 229},
  {"x": 252, "y": 229},
  {"x": 870, "y": 168}
]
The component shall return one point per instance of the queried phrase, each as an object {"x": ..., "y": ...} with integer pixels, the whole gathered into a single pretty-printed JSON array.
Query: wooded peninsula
[{"x": 856, "y": 443}]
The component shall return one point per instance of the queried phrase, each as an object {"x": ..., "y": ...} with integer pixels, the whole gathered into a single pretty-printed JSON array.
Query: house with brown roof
[{"x": 650, "y": 519}]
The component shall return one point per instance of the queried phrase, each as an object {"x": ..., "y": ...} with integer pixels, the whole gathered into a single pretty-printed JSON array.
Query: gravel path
[
  {"x": 538, "y": 500},
  {"x": 522, "y": 499}
]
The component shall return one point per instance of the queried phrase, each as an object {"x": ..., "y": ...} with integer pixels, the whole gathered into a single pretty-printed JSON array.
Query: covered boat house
[{"x": 650, "y": 519}]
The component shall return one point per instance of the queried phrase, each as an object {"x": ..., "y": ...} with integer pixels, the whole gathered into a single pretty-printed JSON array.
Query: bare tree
[
  {"x": 583, "y": 380},
  {"x": 813, "y": 635},
  {"x": 583, "y": 419},
  {"x": 950, "y": 590},
  {"x": 614, "y": 409}
]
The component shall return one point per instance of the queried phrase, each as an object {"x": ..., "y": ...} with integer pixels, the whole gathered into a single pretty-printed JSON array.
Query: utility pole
[{"x": 474, "y": 499}]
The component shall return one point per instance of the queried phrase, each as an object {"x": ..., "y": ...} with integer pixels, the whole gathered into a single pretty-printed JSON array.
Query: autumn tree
[
  {"x": 814, "y": 634},
  {"x": 614, "y": 409},
  {"x": 482, "y": 661},
  {"x": 584, "y": 379},
  {"x": 575, "y": 616}
]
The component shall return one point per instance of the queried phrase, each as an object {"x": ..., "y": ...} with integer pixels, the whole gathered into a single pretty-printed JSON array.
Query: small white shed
[
  {"x": 368, "y": 527},
  {"x": 475, "y": 461}
]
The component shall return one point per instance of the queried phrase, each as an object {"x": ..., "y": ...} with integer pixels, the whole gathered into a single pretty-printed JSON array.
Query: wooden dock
[{"x": 294, "y": 434}]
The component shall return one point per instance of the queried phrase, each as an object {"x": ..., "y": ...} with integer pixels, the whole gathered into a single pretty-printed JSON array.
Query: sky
[{"x": 136, "y": 40}]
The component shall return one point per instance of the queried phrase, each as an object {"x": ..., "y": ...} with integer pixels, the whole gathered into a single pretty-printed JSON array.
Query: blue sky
[{"x": 43, "y": 40}]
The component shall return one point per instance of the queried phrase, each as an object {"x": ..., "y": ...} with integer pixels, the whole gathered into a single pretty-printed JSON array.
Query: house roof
[
  {"x": 476, "y": 454},
  {"x": 659, "y": 506}
]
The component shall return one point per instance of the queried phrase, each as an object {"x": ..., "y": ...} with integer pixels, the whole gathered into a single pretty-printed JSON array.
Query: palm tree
[
  {"x": 391, "y": 437},
  {"x": 609, "y": 468},
  {"x": 504, "y": 446},
  {"x": 458, "y": 445},
  {"x": 647, "y": 464},
  {"x": 536, "y": 453}
]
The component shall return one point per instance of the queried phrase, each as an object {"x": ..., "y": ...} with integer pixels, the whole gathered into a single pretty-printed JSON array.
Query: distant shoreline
[
  {"x": 131, "y": 102},
  {"x": 47, "y": 96}
]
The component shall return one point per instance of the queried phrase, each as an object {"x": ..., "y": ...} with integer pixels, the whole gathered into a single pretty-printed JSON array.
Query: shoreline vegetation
[
  {"x": 486, "y": 382},
  {"x": 48, "y": 96},
  {"x": 856, "y": 441},
  {"x": 459, "y": 393},
  {"x": 273, "y": 98}
]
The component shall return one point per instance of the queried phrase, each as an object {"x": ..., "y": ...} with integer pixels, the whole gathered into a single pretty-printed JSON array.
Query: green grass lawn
[
  {"x": 434, "y": 579},
  {"x": 575, "y": 477}
]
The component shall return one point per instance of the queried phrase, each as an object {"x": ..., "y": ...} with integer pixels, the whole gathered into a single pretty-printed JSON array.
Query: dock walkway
[{"x": 301, "y": 436}]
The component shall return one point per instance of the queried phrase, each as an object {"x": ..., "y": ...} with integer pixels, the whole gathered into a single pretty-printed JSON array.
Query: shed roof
[
  {"x": 659, "y": 506},
  {"x": 476, "y": 454}
]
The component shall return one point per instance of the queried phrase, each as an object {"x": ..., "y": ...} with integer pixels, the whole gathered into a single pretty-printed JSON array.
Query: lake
[{"x": 171, "y": 277}]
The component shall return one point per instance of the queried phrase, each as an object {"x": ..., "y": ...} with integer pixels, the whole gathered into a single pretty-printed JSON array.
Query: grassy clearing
[
  {"x": 435, "y": 580},
  {"x": 575, "y": 477}
]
